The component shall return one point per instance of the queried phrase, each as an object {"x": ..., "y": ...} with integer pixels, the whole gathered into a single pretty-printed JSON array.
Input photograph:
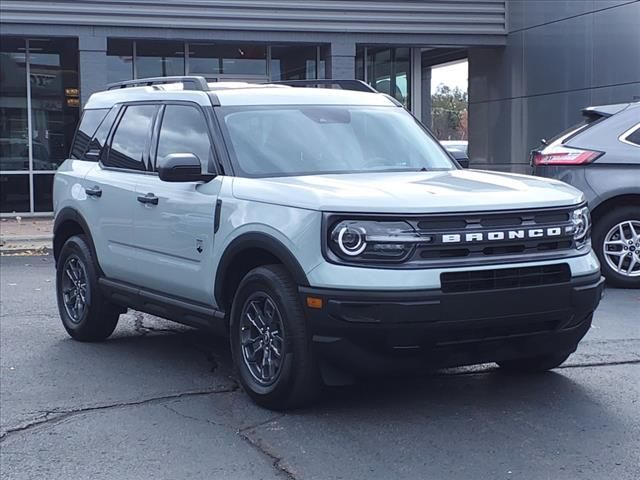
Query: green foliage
[{"x": 449, "y": 113}]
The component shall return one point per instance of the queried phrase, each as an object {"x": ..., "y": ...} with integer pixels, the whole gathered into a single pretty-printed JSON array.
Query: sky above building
[{"x": 454, "y": 74}]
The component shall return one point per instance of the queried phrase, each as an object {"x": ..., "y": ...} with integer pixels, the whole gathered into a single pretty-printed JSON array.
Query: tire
[
  {"x": 534, "y": 365},
  {"x": 266, "y": 306},
  {"x": 607, "y": 228},
  {"x": 94, "y": 319}
]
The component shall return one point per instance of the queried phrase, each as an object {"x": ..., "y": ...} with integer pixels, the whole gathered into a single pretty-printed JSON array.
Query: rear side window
[
  {"x": 130, "y": 142},
  {"x": 100, "y": 137},
  {"x": 566, "y": 135},
  {"x": 184, "y": 130},
  {"x": 90, "y": 122}
]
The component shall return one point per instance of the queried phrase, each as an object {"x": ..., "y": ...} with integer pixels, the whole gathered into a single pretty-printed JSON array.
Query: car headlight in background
[
  {"x": 581, "y": 220},
  {"x": 363, "y": 240}
]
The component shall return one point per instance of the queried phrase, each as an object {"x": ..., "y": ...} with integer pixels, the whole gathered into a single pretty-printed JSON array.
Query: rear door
[
  {"x": 174, "y": 232},
  {"x": 111, "y": 188}
]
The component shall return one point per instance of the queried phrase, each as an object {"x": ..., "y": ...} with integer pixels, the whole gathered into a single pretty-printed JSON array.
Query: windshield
[{"x": 307, "y": 140}]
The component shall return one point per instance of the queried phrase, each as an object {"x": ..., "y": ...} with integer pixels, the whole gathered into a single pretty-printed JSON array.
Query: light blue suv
[{"x": 324, "y": 230}]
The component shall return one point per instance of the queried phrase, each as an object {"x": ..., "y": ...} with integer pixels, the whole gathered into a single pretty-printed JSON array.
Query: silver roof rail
[
  {"x": 189, "y": 82},
  {"x": 357, "y": 85}
]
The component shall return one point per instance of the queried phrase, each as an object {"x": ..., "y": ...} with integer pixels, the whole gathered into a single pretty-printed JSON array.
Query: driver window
[{"x": 184, "y": 130}]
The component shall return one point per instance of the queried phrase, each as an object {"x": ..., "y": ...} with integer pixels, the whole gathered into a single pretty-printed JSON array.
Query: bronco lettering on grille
[{"x": 502, "y": 235}]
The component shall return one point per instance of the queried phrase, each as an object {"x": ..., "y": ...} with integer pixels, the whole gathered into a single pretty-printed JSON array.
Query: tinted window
[
  {"x": 88, "y": 125},
  {"x": 100, "y": 137},
  {"x": 184, "y": 130},
  {"x": 131, "y": 140},
  {"x": 634, "y": 137}
]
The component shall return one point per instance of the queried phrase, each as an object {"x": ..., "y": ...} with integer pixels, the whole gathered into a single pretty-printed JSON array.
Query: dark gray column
[
  {"x": 93, "y": 64},
  {"x": 341, "y": 62},
  {"x": 425, "y": 113}
]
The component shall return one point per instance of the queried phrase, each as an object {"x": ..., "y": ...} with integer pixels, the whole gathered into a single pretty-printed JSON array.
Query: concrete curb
[
  {"x": 34, "y": 245},
  {"x": 25, "y": 238},
  {"x": 27, "y": 252}
]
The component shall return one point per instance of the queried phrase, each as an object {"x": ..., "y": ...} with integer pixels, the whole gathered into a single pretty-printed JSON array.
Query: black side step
[{"x": 172, "y": 308}]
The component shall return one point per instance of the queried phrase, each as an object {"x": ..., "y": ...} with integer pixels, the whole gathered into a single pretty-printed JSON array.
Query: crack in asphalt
[
  {"x": 197, "y": 419},
  {"x": 55, "y": 416},
  {"x": 278, "y": 462}
]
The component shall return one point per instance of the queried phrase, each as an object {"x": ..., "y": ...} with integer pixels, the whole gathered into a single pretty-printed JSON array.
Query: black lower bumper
[{"x": 372, "y": 332}]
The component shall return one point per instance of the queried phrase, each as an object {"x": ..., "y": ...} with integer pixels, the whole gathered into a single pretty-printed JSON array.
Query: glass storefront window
[
  {"x": 119, "y": 60},
  {"x": 293, "y": 63},
  {"x": 14, "y": 193},
  {"x": 210, "y": 59},
  {"x": 42, "y": 74},
  {"x": 43, "y": 192},
  {"x": 388, "y": 70},
  {"x": 54, "y": 100},
  {"x": 14, "y": 144},
  {"x": 158, "y": 58}
]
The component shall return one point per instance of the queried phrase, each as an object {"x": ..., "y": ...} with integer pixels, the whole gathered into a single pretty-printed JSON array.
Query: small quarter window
[
  {"x": 100, "y": 137},
  {"x": 184, "y": 130},
  {"x": 90, "y": 122},
  {"x": 130, "y": 142}
]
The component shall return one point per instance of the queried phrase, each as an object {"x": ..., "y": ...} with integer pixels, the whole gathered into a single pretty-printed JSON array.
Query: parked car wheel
[
  {"x": 616, "y": 238},
  {"x": 270, "y": 344},
  {"x": 85, "y": 314},
  {"x": 534, "y": 365}
]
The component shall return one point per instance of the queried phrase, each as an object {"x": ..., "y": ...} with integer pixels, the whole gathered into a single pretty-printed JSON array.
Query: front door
[{"x": 174, "y": 227}]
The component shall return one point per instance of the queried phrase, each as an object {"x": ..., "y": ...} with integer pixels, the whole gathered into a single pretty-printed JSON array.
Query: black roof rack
[
  {"x": 357, "y": 85},
  {"x": 189, "y": 82}
]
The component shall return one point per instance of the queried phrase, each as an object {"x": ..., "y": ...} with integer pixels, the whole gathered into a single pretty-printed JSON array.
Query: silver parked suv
[{"x": 325, "y": 230}]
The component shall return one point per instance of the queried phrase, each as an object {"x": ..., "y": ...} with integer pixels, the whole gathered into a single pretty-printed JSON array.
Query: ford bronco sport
[{"x": 323, "y": 229}]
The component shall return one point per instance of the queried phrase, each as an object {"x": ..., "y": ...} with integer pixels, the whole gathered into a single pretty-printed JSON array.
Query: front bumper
[{"x": 378, "y": 331}]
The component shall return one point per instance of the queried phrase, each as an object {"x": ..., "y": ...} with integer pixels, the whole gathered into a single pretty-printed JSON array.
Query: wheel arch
[
  {"x": 70, "y": 222},
  {"x": 614, "y": 202},
  {"x": 247, "y": 252}
]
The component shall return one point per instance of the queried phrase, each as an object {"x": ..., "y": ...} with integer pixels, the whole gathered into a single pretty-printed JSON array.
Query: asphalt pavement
[{"x": 159, "y": 401}]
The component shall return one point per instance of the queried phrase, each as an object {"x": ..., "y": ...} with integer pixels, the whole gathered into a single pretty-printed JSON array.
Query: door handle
[
  {"x": 148, "y": 198},
  {"x": 94, "y": 192}
]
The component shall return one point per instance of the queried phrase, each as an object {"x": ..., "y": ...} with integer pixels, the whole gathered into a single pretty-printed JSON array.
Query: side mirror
[
  {"x": 181, "y": 167},
  {"x": 464, "y": 162}
]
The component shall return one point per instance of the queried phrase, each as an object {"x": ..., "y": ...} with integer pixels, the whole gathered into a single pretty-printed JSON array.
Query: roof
[{"x": 239, "y": 94}]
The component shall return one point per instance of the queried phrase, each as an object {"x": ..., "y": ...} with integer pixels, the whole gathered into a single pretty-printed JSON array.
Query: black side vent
[{"x": 453, "y": 282}]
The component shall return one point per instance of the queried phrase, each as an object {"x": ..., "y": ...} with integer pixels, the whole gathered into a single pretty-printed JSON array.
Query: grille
[
  {"x": 504, "y": 278},
  {"x": 482, "y": 226}
]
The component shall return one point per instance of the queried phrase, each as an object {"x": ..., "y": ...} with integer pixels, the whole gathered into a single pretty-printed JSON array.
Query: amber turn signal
[{"x": 314, "y": 302}]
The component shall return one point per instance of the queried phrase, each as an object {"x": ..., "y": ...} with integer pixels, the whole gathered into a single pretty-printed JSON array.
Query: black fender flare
[
  {"x": 262, "y": 241},
  {"x": 69, "y": 214}
]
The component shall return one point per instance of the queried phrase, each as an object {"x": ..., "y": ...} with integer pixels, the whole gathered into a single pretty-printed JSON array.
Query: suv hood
[{"x": 409, "y": 192}]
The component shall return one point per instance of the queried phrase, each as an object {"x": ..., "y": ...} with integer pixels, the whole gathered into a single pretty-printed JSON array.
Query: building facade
[{"x": 54, "y": 54}]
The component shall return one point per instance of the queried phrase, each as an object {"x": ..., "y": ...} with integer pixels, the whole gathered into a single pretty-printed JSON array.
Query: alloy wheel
[
  {"x": 262, "y": 338},
  {"x": 74, "y": 288},
  {"x": 621, "y": 248}
]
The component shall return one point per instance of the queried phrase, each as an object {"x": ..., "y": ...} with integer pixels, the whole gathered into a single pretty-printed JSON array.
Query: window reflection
[
  {"x": 157, "y": 58},
  {"x": 387, "y": 70},
  {"x": 131, "y": 140},
  {"x": 54, "y": 99},
  {"x": 293, "y": 63},
  {"x": 14, "y": 193},
  {"x": 14, "y": 144},
  {"x": 227, "y": 59},
  {"x": 119, "y": 60}
]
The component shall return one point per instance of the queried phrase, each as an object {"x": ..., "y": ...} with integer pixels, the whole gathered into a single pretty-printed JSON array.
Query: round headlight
[
  {"x": 581, "y": 223},
  {"x": 351, "y": 240}
]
